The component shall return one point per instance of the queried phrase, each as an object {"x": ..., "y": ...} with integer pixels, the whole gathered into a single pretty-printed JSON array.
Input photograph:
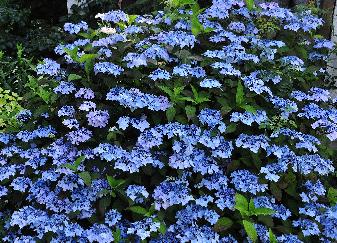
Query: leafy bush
[
  {"x": 9, "y": 109},
  {"x": 188, "y": 125},
  {"x": 14, "y": 71}
]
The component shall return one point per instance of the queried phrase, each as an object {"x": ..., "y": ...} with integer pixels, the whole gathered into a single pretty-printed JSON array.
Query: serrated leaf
[
  {"x": 85, "y": 175},
  {"x": 167, "y": 90},
  {"x": 177, "y": 90},
  {"x": 170, "y": 113},
  {"x": 250, "y": 230},
  {"x": 241, "y": 204},
  {"x": 73, "y": 77},
  {"x": 190, "y": 111},
  {"x": 222, "y": 224},
  {"x": 138, "y": 209},
  {"x": 272, "y": 237}
]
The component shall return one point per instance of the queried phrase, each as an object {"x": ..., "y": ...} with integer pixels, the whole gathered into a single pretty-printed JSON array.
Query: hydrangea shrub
[{"x": 187, "y": 125}]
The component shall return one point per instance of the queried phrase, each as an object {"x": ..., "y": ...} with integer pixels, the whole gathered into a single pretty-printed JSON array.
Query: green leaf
[
  {"x": 76, "y": 164},
  {"x": 138, "y": 209},
  {"x": 250, "y": 4},
  {"x": 196, "y": 26},
  {"x": 167, "y": 90},
  {"x": 162, "y": 228},
  {"x": 272, "y": 237},
  {"x": 231, "y": 128},
  {"x": 117, "y": 235},
  {"x": 73, "y": 77},
  {"x": 132, "y": 18},
  {"x": 249, "y": 108},
  {"x": 178, "y": 89},
  {"x": 87, "y": 57},
  {"x": 85, "y": 175},
  {"x": 332, "y": 195},
  {"x": 240, "y": 94},
  {"x": 222, "y": 224},
  {"x": 79, "y": 160},
  {"x": 250, "y": 230},
  {"x": 170, "y": 113},
  {"x": 114, "y": 183},
  {"x": 241, "y": 204},
  {"x": 251, "y": 206},
  {"x": 263, "y": 211},
  {"x": 190, "y": 111}
]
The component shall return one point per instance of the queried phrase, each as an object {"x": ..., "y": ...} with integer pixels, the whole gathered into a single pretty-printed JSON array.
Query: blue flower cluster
[{"x": 173, "y": 166}]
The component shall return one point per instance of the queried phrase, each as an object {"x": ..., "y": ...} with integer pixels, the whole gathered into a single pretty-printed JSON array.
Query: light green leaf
[
  {"x": 167, "y": 90},
  {"x": 272, "y": 237},
  {"x": 73, "y": 77},
  {"x": 263, "y": 211},
  {"x": 162, "y": 228},
  {"x": 241, "y": 204},
  {"x": 138, "y": 209},
  {"x": 132, "y": 18},
  {"x": 114, "y": 183},
  {"x": 250, "y": 4},
  {"x": 250, "y": 230},
  {"x": 178, "y": 89},
  {"x": 249, "y": 108}
]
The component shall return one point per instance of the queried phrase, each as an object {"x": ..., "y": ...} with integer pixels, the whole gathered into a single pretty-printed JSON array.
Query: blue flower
[
  {"x": 98, "y": 118},
  {"x": 109, "y": 68},
  {"x": 177, "y": 38},
  {"x": 134, "y": 99},
  {"x": 160, "y": 74},
  {"x": 79, "y": 136},
  {"x": 210, "y": 83},
  {"x": 169, "y": 193},
  {"x": 246, "y": 181},
  {"x": 85, "y": 93},
  {"x": 112, "y": 217},
  {"x": 49, "y": 67},
  {"x": 24, "y": 116},
  {"x": 75, "y": 28},
  {"x": 185, "y": 69},
  {"x": 252, "y": 142},
  {"x": 114, "y": 16},
  {"x": 66, "y": 111},
  {"x": 307, "y": 226},
  {"x": 248, "y": 117},
  {"x": 137, "y": 193},
  {"x": 65, "y": 88},
  {"x": 143, "y": 228},
  {"x": 99, "y": 233},
  {"x": 210, "y": 117}
]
